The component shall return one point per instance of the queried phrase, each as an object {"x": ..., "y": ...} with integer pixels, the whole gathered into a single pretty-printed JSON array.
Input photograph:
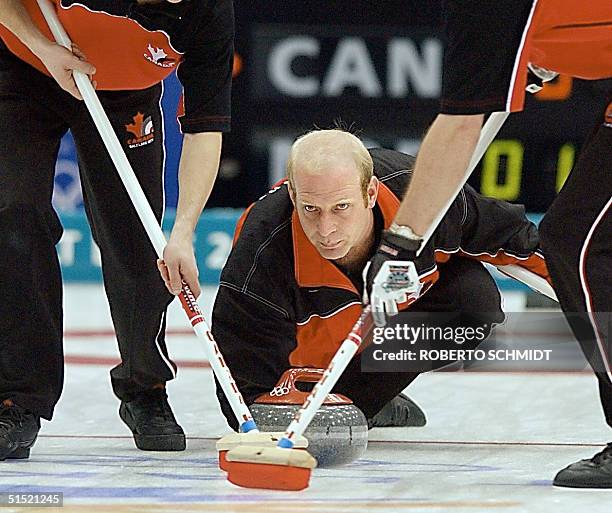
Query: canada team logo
[
  {"x": 158, "y": 57},
  {"x": 142, "y": 130}
]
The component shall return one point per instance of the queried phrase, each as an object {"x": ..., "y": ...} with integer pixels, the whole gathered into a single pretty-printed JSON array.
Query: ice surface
[{"x": 493, "y": 442}]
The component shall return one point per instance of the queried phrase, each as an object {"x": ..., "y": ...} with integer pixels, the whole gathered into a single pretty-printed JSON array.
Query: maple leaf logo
[
  {"x": 136, "y": 127},
  {"x": 157, "y": 54}
]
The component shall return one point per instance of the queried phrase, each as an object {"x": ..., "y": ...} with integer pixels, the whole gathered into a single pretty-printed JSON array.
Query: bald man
[{"x": 292, "y": 286}]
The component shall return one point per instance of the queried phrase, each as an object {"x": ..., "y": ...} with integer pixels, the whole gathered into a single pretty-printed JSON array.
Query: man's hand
[
  {"x": 390, "y": 277},
  {"x": 179, "y": 264},
  {"x": 197, "y": 170},
  {"x": 61, "y": 63}
]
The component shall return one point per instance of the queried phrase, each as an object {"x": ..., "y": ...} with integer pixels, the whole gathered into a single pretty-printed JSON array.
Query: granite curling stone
[{"x": 338, "y": 433}]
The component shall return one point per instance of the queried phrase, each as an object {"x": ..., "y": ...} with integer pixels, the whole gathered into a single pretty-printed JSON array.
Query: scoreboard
[
  {"x": 375, "y": 67},
  {"x": 384, "y": 82}
]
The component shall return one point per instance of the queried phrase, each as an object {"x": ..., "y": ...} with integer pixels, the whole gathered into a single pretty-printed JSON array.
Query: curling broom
[{"x": 283, "y": 467}]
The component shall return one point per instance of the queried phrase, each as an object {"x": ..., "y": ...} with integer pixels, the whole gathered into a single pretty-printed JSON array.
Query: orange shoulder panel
[
  {"x": 573, "y": 37},
  {"x": 240, "y": 223},
  {"x": 125, "y": 54}
]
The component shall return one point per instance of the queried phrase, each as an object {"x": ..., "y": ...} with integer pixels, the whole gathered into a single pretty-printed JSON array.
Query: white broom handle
[
  {"x": 330, "y": 377},
  {"x": 487, "y": 134},
  {"x": 108, "y": 136},
  {"x": 530, "y": 279},
  {"x": 151, "y": 226}
]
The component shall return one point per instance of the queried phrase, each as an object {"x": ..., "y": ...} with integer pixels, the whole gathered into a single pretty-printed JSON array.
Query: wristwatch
[{"x": 404, "y": 231}]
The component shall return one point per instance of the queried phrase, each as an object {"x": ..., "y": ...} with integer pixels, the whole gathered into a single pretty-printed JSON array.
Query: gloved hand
[{"x": 390, "y": 277}]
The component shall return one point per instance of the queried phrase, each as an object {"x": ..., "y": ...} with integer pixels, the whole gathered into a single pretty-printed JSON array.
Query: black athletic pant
[
  {"x": 34, "y": 114},
  {"x": 467, "y": 290},
  {"x": 576, "y": 236}
]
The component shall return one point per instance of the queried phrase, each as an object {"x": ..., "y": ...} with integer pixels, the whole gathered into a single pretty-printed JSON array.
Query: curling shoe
[
  {"x": 595, "y": 472},
  {"x": 18, "y": 431},
  {"x": 152, "y": 422},
  {"x": 400, "y": 411}
]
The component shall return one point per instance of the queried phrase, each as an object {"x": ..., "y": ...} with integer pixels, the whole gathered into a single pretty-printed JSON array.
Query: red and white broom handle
[
  {"x": 354, "y": 340},
  {"x": 151, "y": 226},
  {"x": 352, "y": 343},
  {"x": 330, "y": 377}
]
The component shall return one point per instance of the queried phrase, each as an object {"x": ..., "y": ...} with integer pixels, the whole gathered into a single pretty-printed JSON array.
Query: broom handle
[
  {"x": 334, "y": 370},
  {"x": 487, "y": 134},
  {"x": 530, "y": 279},
  {"x": 352, "y": 343}
]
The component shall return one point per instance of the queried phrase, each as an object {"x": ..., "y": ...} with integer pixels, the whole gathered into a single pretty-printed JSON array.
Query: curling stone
[{"x": 338, "y": 433}]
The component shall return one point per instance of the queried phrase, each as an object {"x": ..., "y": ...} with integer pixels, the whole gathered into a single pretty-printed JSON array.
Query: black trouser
[
  {"x": 467, "y": 290},
  {"x": 576, "y": 236},
  {"x": 34, "y": 114}
]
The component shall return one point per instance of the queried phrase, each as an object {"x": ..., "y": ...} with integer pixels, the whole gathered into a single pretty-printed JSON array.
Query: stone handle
[{"x": 286, "y": 391}]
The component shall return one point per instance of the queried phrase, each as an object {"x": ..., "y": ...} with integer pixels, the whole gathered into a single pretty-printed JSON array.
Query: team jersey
[
  {"x": 281, "y": 304},
  {"x": 490, "y": 43},
  {"x": 136, "y": 46}
]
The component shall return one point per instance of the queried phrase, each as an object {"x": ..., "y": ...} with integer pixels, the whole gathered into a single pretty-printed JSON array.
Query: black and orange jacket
[
  {"x": 136, "y": 46},
  {"x": 280, "y": 304}
]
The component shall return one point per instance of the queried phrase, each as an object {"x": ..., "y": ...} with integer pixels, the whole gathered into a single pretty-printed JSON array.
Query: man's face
[{"x": 332, "y": 210}]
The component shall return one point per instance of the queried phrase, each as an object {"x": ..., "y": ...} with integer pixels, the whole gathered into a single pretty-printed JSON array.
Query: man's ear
[
  {"x": 291, "y": 193},
  {"x": 372, "y": 191}
]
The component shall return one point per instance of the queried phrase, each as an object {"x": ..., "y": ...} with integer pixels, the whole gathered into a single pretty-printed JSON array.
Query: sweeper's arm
[
  {"x": 198, "y": 167},
  {"x": 486, "y": 229},
  {"x": 204, "y": 110}
]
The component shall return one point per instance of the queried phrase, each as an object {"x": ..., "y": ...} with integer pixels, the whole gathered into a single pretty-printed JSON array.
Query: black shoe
[
  {"x": 593, "y": 473},
  {"x": 18, "y": 431},
  {"x": 152, "y": 422},
  {"x": 399, "y": 412}
]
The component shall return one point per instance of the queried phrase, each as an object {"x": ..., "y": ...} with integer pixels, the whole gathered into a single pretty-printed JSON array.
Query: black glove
[{"x": 391, "y": 247}]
